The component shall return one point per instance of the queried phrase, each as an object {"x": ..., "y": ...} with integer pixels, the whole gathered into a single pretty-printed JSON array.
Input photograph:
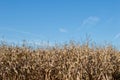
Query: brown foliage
[{"x": 71, "y": 62}]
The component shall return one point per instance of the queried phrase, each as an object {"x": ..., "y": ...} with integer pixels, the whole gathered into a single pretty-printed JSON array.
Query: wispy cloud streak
[
  {"x": 63, "y": 30},
  {"x": 91, "y": 20},
  {"x": 117, "y": 36},
  {"x": 23, "y": 32}
]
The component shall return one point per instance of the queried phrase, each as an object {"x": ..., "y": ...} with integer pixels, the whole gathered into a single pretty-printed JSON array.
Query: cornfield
[{"x": 70, "y": 62}]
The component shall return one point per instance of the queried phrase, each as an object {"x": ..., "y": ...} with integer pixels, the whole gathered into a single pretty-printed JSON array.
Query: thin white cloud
[
  {"x": 91, "y": 20},
  {"x": 117, "y": 36},
  {"x": 22, "y": 32},
  {"x": 63, "y": 30}
]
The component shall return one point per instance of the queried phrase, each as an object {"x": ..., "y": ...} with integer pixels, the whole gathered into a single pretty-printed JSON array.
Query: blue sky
[{"x": 60, "y": 20}]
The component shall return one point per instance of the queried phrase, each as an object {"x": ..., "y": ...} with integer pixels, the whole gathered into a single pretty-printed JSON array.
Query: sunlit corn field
[{"x": 70, "y": 61}]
